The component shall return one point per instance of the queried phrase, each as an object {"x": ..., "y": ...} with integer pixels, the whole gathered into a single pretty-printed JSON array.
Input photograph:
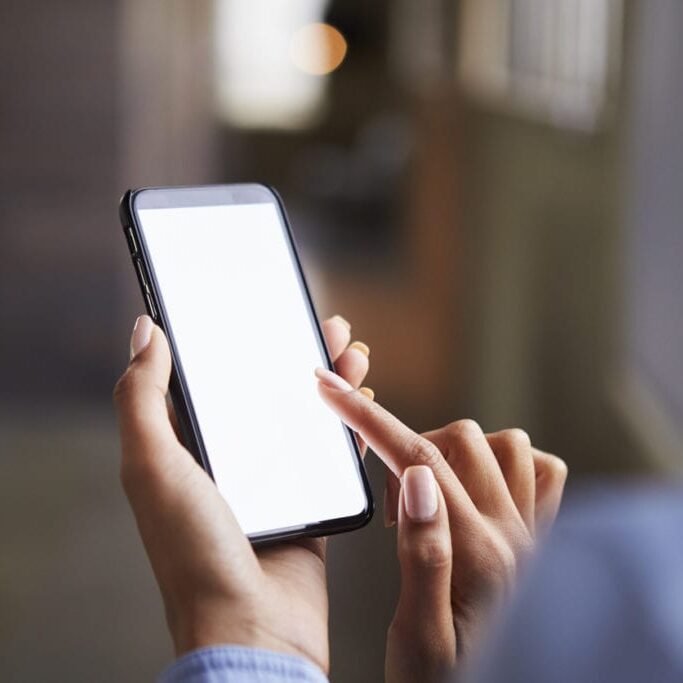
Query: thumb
[
  {"x": 189, "y": 532},
  {"x": 140, "y": 397},
  {"x": 421, "y": 643}
]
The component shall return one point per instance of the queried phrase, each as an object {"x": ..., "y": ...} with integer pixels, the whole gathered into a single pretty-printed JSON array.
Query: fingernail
[
  {"x": 367, "y": 391},
  {"x": 142, "y": 333},
  {"x": 343, "y": 321},
  {"x": 388, "y": 521},
  {"x": 419, "y": 493},
  {"x": 332, "y": 380},
  {"x": 360, "y": 346}
]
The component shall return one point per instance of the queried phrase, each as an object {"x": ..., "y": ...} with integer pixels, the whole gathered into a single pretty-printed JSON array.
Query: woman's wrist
[{"x": 203, "y": 631}]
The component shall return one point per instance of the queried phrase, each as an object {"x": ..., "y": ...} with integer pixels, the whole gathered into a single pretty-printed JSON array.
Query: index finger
[
  {"x": 395, "y": 443},
  {"x": 398, "y": 446}
]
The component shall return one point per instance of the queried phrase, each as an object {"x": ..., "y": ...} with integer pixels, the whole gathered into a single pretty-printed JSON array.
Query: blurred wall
[
  {"x": 550, "y": 217},
  {"x": 59, "y": 170},
  {"x": 543, "y": 226}
]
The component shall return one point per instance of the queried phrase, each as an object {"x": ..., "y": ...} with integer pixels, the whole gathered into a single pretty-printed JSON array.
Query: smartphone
[{"x": 220, "y": 274}]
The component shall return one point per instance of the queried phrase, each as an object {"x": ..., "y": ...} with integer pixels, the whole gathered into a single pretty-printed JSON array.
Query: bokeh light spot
[{"x": 317, "y": 48}]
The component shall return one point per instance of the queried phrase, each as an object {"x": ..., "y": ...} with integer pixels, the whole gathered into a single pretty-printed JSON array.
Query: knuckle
[
  {"x": 497, "y": 565},
  {"x": 432, "y": 553},
  {"x": 521, "y": 543},
  {"x": 512, "y": 448},
  {"x": 506, "y": 561},
  {"x": 125, "y": 387},
  {"x": 516, "y": 438},
  {"x": 423, "y": 452},
  {"x": 558, "y": 468},
  {"x": 464, "y": 430}
]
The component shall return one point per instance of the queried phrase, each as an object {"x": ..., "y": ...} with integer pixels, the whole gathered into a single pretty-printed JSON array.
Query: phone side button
[
  {"x": 132, "y": 244},
  {"x": 141, "y": 276},
  {"x": 151, "y": 307}
]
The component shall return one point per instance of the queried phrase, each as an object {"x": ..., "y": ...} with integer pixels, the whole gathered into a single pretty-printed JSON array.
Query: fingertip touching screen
[{"x": 247, "y": 346}]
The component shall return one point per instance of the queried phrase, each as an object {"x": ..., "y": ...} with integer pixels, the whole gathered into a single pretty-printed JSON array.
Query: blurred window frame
[{"x": 553, "y": 62}]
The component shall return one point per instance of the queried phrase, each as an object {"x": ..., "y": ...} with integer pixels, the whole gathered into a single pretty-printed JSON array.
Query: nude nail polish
[
  {"x": 142, "y": 334},
  {"x": 419, "y": 493},
  {"x": 360, "y": 346},
  {"x": 367, "y": 391}
]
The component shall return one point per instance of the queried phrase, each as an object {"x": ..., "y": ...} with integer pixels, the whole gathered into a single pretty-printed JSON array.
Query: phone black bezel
[{"x": 212, "y": 195}]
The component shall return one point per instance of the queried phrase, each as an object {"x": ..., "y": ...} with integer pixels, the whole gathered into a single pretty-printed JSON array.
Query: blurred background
[{"x": 490, "y": 190}]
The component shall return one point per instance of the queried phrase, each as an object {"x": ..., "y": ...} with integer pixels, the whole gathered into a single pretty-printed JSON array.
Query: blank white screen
[{"x": 247, "y": 347}]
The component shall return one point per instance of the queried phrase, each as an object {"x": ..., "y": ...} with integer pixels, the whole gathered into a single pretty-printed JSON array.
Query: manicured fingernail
[
  {"x": 419, "y": 493},
  {"x": 367, "y": 391},
  {"x": 388, "y": 521},
  {"x": 343, "y": 321},
  {"x": 332, "y": 380},
  {"x": 359, "y": 346},
  {"x": 142, "y": 333}
]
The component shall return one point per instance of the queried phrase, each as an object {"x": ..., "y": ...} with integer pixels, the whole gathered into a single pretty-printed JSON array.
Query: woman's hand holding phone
[
  {"x": 469, "y": 506},
  {"x": 216, "y": 588}
]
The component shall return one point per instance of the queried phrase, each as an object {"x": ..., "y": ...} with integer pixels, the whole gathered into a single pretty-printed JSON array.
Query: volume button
[
  {"x": 150, "y": 306},
  {"x": 130, "y": 238},
  {"x": 146, "y": 291},
  {"x": 141, "y": 275}
]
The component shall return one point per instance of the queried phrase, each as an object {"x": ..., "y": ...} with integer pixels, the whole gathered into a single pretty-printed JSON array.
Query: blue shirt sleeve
[
  {"x": 237, "y": 664},
  {"x": 605, "y": 600}
]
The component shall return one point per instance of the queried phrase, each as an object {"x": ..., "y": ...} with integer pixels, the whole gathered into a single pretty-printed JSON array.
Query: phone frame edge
[{"x": 186, "y": 418}]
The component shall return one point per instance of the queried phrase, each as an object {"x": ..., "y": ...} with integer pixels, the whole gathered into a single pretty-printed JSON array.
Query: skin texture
[
  {"x": 216, "y": 589},
  {"x": 495, "y": 492}
]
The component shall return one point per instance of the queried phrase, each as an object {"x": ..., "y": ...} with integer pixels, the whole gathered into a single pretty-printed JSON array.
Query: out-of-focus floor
[
  {"x": 78, "y": 602},
  {"x": 77, "y": 599}
]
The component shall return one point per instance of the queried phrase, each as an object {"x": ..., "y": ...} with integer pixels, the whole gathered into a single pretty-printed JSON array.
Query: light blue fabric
[
  {"x": 237, "y": 664},
  {"x": 605, "y": 600}
]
